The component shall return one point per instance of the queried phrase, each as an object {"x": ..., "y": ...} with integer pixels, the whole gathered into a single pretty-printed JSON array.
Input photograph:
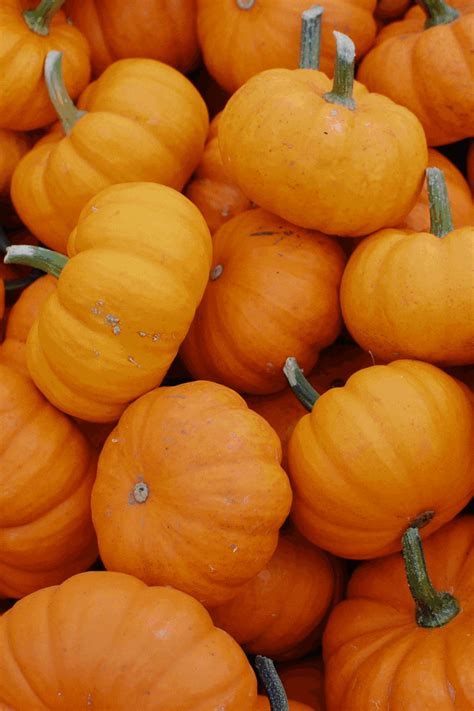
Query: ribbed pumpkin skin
[
  {"x": 411, "y": 295},
  {"x": 27, "y": 307},
  {"x": 46, "y": 471},
  {"x": 24, "y": 101},
  {"x": 304, "y": 680},
  {"x": 375, "y": 654},
  {"x": 428, "y": 71},
  {"x": 318, "y": 164},
  {"x": 277, "y": 295},
  {"x": 217, "y": 495},
  {"x": 145, "y": 122},
  {"x": 140, "y": 259},
  {"x": 13, "y": 146},
  {"x": 108, "y": 641},
  {"x": 393, "y": 443},
  {"x": 237, "y": 43},
  {"x": 117, "y": 29}
]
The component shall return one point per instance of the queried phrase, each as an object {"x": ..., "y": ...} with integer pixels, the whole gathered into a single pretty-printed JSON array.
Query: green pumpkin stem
[
  {"x": 438, "y": 12},
  {"x": 433, "y": 608},
  {"x": 343, "y": 82},
  {"x": 305, "y": 393},
  {"x": 440, "y": 209},
  {"x": 310, "y": 48},
  {"x": 37, "y": 257},
  {"x": 64, "y": 107},
  {"x": 272, "y": 682},
  {"x": 38, "y": 19}
]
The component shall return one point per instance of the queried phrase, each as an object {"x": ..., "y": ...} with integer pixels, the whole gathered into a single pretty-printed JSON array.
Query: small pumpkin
[
  {"x": 107, "y": 640},
  {"x": 13, "y": 146},
  {"x": 304, "y": 680},
  {"x": 189, "y": 491},
  {"x": 389, "y": 10}
]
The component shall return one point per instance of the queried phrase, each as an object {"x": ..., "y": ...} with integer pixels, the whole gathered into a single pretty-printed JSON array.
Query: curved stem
[
  {"x": 38, "y": 19},
  {"x": 245, "y": 4},
  {"x": 45, "y": 259},
  {"x": 438, "y": 12},
  {"x": 440, "y": 209},
  {"x": 64, "y": 107},
  {"x": 433, "y": 608},
  {"x": 310, "y": 48},
  {"x": 305, "y": 392},
  {"x": 343, "y": 82},
  {"x": 14, "y": 284},
  {"x": 272, "y": 682}
]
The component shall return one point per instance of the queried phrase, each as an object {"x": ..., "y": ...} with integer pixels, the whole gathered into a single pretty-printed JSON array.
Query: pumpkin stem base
[{"x": 38, "y": 20}]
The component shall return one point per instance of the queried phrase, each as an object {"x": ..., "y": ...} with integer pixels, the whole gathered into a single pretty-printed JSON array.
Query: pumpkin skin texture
[
  {"x": 304, "y": 680},
  {"x": 239, "y": 43},
  {"x": 13, "y": 146},
  {"x": 376, "y": 654},
  {"x": 157, "y": 650},
  {"x": 189, "y": 491},
  {"x": 140, "y": 258},
  {"x": 24, "y": 101},
  {"x": 47, "y": 470},
  {"x": 145, "y": 122},
  {"x": 318, "y": 164},
  {"x": 116, "y": 29},
  {"x": 378, "y": 454},
  {"x": 429, "y": 71},
  {"x": 278, "y": 293}
]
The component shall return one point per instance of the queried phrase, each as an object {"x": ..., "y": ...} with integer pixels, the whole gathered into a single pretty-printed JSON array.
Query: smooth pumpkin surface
[
  {"x": 46, "y": 470},
  {"x": 139, "y": 262},
  {"x": 376, "y": 654},
  {"x": 240, "y": 38},
  {"x": 117, "y": 29},
  {"x": 273, "y": 290},
  {"x": 157, "y": 650},
  {"x": 145, "y": 122},
  {"x": 190, "y": 492},
  {"x": 379, "y": 453},
  {"x": 304, "y": 680},
  {"x": 13, "y": 146}
]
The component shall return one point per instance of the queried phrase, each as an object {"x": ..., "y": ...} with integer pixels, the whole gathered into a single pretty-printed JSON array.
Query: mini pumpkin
[
  {"x": 304, "y": 680},
  {"x": 13, "y": 146}
]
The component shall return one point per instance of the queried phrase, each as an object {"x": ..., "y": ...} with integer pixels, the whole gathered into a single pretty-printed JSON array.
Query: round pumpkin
[
  {"x": 46, "y": 472},
  {"x": 304, "y": 680},
  {"x": 273, "y": 290},
  {"x": 106, "y": 640},
  {"x": 189, "y": 491},
  {"x": 388, "y": 649},
  {"x": 391, "y": 448},
  {"x": 13, "y": 146},
  {"x": 389, "y": 10}
]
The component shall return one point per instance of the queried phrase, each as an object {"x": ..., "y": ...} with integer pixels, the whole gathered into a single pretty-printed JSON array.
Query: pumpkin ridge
[{"x": 11, "y": 644}]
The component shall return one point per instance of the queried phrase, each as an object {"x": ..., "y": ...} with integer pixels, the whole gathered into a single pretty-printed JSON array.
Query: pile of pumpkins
[{"x": 236, "y": 375}]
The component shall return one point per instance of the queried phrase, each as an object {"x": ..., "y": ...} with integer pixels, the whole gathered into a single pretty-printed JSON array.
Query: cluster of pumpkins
[{"x": 237, "y": 356}]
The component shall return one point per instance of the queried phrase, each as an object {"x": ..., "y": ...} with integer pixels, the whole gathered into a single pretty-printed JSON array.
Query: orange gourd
[
  {"x": 13, "y": 146},
  {"x": 273, "y": 289},
  {"x": 390, "y": 449},
  {"x": 304, "y": 680},
  {"x": 189, "y": 491},
  {"x": 143, "y": 121},
  {"x": 157, "y": 29},
  {"x": 385, "y": 648},
  {"x": 27, "y": 37},
  {"x": 108, "y": 641},
  {"x": 46, "y": 472}
]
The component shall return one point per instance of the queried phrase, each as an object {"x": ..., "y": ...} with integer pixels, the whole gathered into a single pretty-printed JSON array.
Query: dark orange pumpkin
[
  {"x": 13, "y": 146},
  {"x": 304, "y": 680},
  {"x": 263, "y": 704}
]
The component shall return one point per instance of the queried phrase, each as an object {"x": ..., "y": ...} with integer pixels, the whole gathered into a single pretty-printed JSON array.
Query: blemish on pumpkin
[
  {"x": 269, "y": 367},
  {"x": 89, "y": 700},
  {"x": 114, "y": 440},
  {"x": 139, "y": 493},
  {"x": 96, "y": 354},
  {"x": 211, "y": 568},
  {"x": 156, "y": 337},
  {"x": 142, "y": 334},
  {"x": 94, "y": 208},
  {"x": 161, "y": 634},
  {"x": 216, "y": 272},
  {"x": 132, "y": 360},
  {"x": 234, "y": 548}
]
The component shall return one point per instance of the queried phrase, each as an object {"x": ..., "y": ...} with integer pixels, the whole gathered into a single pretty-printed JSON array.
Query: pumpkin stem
[
  {"x": 272, "y": 682},
  {"x": 38, "y": 19},
  {"x": 440, "y": 209},
  {"x": 305, "y": 392},
  {"x": 245, "y": 4},
  {"x": 57, "y": 91},
  {"x": 438, "y": 12},
  {"x": 343, "y": 82},
  {"x": 433, "y": 608},
  {"x": 310, "y": 47},
  {"x": 38, "y": 257}
]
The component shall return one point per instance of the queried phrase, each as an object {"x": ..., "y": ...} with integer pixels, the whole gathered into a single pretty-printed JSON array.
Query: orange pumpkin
[
  {"x": 263, "y": 704},
  {"x": 389, "y": 10},
  {"x": 189, "y": 491},
  {"x": 117, "y": 29},
  {"x": 106, "y": 640},
  {"x": 13, "y": 146},
  {"x": 46, "y": 471},
  {"x": 386, "y": 648},
  {"x": 304, "y": 680},
  {"x": 144, "y": 121},
  {"x": 273, "y": 290},
  {"x": 240, "y": 38},
  {"x": 426, "y": 63},
  {"x": 410, "y": 294},
  {"x": 390, "y": 448},
  {"x": 27, "y": 37},
  {"x": 140, "y": 258},
  {"x": 310, "y": 152}
]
